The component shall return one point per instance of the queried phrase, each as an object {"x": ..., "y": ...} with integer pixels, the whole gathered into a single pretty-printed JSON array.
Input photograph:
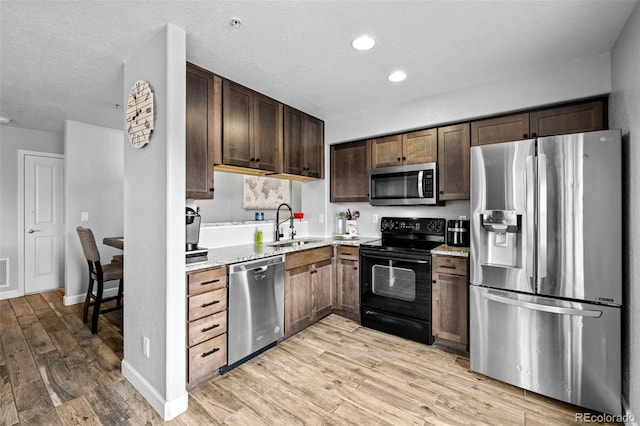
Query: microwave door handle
[{"x": 420, "y": 184}]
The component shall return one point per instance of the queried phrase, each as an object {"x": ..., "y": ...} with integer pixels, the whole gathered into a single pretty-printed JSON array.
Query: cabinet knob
[
  {"x": 257, "y": 160},
  {"x": 252, "y": 159},
  {"x": 434, "y": 281},
  {"x": 442, "y": 192},
  {"x": 404, "y": 158},
  {"x": 211, "y": 189},
  {"x": 526, "y": 135},
  {"x": 533, "y": 135},
  {"x": 398, "y": 158}
]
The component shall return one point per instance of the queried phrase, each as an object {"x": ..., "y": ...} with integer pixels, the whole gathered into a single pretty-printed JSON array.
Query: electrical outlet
[
  {"x": 84, "y": 217},
  {"x": 145, "y": 346},
  {"x": 374, "y": 218},
  {"x": 321, "y": 217}
]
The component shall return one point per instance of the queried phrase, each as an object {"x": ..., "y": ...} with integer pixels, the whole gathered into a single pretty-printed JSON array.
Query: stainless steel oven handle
[
  {"x": 390, "y": 257},
  {"x": 543, "y": 308},
  {"x": 420, "y": 185}
]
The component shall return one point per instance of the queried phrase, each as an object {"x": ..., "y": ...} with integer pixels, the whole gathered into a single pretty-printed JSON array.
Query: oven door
[{"x": 397, "y": 283}]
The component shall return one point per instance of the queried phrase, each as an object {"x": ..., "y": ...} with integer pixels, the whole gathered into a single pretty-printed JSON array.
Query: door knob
[{"x": 31, "y": 231}]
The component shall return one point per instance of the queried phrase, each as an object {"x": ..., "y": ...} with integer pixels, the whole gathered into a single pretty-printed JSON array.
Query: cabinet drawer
[
  {"x": 207, "y": 357},
  {"x": 347, "y": 252},
  {"x": 307, "y": 257},
  {"x": 207, "y": 328},
  {"x": 208, "y": 303},
  {"x": 202, "y": 281},
  {"x": 450, "y": 265}
]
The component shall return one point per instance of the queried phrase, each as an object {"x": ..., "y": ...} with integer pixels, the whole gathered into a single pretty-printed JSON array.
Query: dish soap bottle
[{"x": 258, "y": 236}]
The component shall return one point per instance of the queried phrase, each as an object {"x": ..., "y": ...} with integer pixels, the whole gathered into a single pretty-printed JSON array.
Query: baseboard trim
[
  {"x": 9, "y": 294},
  {"x": 167, "y": 409},
  {"x": 629, "y": 419},
  {"x": 79, "y": 298}
]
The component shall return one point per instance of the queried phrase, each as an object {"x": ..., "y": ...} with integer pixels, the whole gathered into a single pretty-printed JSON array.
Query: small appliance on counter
[
  {"x": 458, "y": 233},
  {"x": 192, "y": 251}
]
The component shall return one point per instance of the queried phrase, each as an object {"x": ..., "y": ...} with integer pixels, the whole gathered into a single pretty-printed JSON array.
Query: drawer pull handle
[
  {"x": 447, "y": 267},
  {"x": 204, "y": 305},
  {"x": 209, "y": 282},
  {"x": 204, "y": 330},
  {"x": 212, "y": 351}
]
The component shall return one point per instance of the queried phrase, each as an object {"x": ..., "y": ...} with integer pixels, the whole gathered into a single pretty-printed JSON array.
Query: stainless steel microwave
[{"x": 404, "y": 185}]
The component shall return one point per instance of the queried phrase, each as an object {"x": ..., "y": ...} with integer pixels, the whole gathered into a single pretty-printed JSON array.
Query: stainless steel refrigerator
[{"x": 545, "y": 272}]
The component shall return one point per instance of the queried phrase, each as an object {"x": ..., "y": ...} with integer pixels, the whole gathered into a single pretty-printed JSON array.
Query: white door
[{"x": 43, "y": 223}]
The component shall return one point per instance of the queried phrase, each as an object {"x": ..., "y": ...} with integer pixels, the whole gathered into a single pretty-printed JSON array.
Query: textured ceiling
[{"x": 63, "y": 59}]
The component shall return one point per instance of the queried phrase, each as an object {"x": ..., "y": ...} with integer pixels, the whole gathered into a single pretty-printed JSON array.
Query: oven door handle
[{"x": 391, "y": 257}]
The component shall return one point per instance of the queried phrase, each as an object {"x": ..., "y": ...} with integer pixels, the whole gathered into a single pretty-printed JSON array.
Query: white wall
[
  {"x": 624, "y": 113},
  {"x": 154, "y": 263},
  {"x": 13, "y": 139},
  {"x": 227, "y": 203},
  {"x": 95, "y": 184}
]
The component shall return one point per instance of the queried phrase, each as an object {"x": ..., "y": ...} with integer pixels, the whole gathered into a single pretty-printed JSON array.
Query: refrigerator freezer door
[
  {"x": 565, "y": 350},
  {"x": 502, "y": 216},
  {"x": 580, "y": 204}
]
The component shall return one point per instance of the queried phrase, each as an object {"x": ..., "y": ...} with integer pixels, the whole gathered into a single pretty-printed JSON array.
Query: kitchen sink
[{"x": 292, "y": 243}]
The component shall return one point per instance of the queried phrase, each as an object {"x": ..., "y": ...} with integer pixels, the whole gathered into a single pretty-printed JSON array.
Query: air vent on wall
[{"x": 4, "y": 273}]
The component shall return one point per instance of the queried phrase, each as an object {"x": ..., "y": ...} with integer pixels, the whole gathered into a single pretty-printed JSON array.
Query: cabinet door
[
  {"x": 237, "y": 124},
  {"x": 322, "y": 284},
  {"x": 297, "y": 300},
  {"x": 386, "y": 151},
  {"x": 453, "y": 162},
  {"x": 312, "y": 147},
  {"x": 350, "y": 172},
  {"x": 267, "y": 134},
  {"x": 583, "y": 117},
  {"x": 501, "y": 129},
  {"x": 420, "y": 147},
  {"x": 348, "y": 286},
  {"x": 292, "y": 141},
  {"x": 202, "y": 89},
  {"x": 449, "y": 307}
]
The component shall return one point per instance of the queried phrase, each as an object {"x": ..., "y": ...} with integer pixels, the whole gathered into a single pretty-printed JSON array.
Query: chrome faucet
[{"x": 278, "y": 223}]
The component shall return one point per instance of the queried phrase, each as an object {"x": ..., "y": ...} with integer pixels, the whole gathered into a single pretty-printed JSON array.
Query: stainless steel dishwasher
[{"x": 256, "y": 307}]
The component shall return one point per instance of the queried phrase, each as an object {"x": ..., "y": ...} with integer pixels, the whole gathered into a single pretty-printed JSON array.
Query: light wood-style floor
[{"x": 54, "y": 371}]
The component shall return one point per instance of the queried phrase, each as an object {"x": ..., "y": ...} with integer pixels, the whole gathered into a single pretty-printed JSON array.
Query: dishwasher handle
[{"x": 256, "y": 264}]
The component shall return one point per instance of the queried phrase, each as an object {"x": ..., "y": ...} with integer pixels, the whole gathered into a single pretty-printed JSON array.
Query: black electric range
[{"x": 395, "y": 278}]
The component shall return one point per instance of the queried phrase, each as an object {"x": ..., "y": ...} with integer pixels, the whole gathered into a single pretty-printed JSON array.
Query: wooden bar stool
[{"x": 99, "y": 274}]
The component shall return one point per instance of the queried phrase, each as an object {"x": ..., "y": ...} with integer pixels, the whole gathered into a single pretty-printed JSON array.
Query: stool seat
[
  {"x": 110, "y": 272},
  {"x": 98, "y": 274}
]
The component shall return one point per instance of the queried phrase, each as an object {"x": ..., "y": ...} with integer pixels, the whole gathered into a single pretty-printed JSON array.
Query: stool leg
[
  {"x": 119, "y": 298},
  {"x": 87, "y": 300},
  {"x": 96, "y": 307}
]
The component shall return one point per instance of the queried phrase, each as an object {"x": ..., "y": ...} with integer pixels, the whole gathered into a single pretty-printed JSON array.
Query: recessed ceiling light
[
  {"x": 397, "y": 76},
  {"x": 364, "y": 42},
  {"x": 4, "y": 120},
  {"x": 235, "y": 22}
]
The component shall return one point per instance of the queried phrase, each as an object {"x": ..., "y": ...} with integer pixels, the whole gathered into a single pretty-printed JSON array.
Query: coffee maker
[{"x": 193, "y": 252}]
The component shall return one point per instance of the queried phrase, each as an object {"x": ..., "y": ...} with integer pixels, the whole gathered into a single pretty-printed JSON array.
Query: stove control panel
[{"x": 416, "y": 225}]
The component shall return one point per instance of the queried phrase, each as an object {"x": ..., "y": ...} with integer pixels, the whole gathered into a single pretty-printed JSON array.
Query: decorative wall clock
[{"x": 140, "y": 114}]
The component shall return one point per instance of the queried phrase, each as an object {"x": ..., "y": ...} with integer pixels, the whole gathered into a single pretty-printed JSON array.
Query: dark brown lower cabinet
[
  {"x": 347, "y": 292},
  {"x": 450, "y": 300}
]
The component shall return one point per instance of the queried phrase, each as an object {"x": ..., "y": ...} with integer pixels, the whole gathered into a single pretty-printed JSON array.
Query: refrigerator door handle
[
  {"x": 420, "y": 184},
  {"x": 530, "y": 236},
  {"x": 542, "y": 216},
  {"x": 544, "y": 308}
]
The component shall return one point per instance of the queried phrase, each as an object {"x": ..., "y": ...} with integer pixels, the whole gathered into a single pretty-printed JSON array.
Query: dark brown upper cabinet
[
  {"x": 454, "y": 162},
  {"x": 252, "y": 129},
  {"x": 404, "y": 149},
  {"x": 303, "y": 144},
  {"x": 350, "y": 172},
  {"x": 203, "y": 130},
  {"x": 558, "y": 120}
]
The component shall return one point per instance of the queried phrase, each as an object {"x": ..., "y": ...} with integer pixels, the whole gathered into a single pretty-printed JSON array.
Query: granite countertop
[
  {"x": 451, "y": 251},
  {"x": 246, "y": 252}
]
